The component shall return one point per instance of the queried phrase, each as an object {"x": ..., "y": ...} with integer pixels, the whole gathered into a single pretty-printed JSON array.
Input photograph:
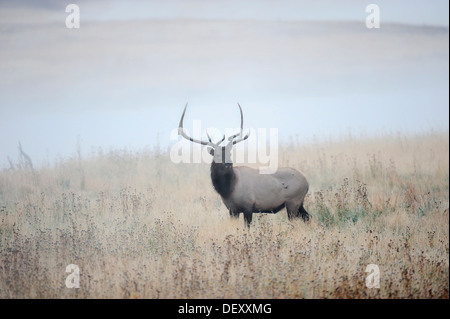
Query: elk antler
[
  {"x": 241, "y": 138},
  {"x": 182, "y": 132}
]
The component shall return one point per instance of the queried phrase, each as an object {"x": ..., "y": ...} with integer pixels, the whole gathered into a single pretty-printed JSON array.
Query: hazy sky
[{"x": 308, "y": 68}]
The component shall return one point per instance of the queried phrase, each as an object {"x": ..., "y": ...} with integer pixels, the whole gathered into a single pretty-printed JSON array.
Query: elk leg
[
  {"x": 304, "y": 214},
  {"x": 292, "y": 210},
  {"x": 248, "y": 218},
  {"x": 234, "y": 214}
]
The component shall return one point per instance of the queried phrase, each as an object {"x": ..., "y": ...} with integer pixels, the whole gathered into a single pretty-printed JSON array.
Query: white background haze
[{"x": 309, "y": 68}]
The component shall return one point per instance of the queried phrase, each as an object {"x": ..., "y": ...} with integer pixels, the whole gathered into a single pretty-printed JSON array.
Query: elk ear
[{"x": 210, "y": 150}]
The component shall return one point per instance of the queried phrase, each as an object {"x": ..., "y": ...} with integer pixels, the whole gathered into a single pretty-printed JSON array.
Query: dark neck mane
[{"x": 223, "y": 178}]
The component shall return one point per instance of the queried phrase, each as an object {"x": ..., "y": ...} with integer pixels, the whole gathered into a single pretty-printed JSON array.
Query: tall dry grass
[{"x": 139, "y": 226}]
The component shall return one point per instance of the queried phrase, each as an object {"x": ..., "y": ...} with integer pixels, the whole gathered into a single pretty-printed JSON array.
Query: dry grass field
[{"x": 139, "y": 226}]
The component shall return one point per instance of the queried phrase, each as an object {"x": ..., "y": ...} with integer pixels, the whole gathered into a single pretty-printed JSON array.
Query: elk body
[{"x": 245, "y": 190}]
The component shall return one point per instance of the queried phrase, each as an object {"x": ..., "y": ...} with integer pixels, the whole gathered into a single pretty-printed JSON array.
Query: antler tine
[
  {"x": 242, "y": 117},
  {"x": 180, "y": 125},
  {"x": 182, "y": 132},
  {"x": 223, "y": 139},
  {"x": 242, "y": 138},
  {"x": 231, "y": 138},
  {"x": 242, "y": 125},
  {"x": 209, "y": 137}
]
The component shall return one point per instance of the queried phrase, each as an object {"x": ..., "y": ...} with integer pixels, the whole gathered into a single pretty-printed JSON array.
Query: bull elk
[{"x": 244, "y": 189}]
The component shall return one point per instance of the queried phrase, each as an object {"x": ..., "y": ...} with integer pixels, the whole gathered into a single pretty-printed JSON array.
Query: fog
[{"x": 122, "y": 79}]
